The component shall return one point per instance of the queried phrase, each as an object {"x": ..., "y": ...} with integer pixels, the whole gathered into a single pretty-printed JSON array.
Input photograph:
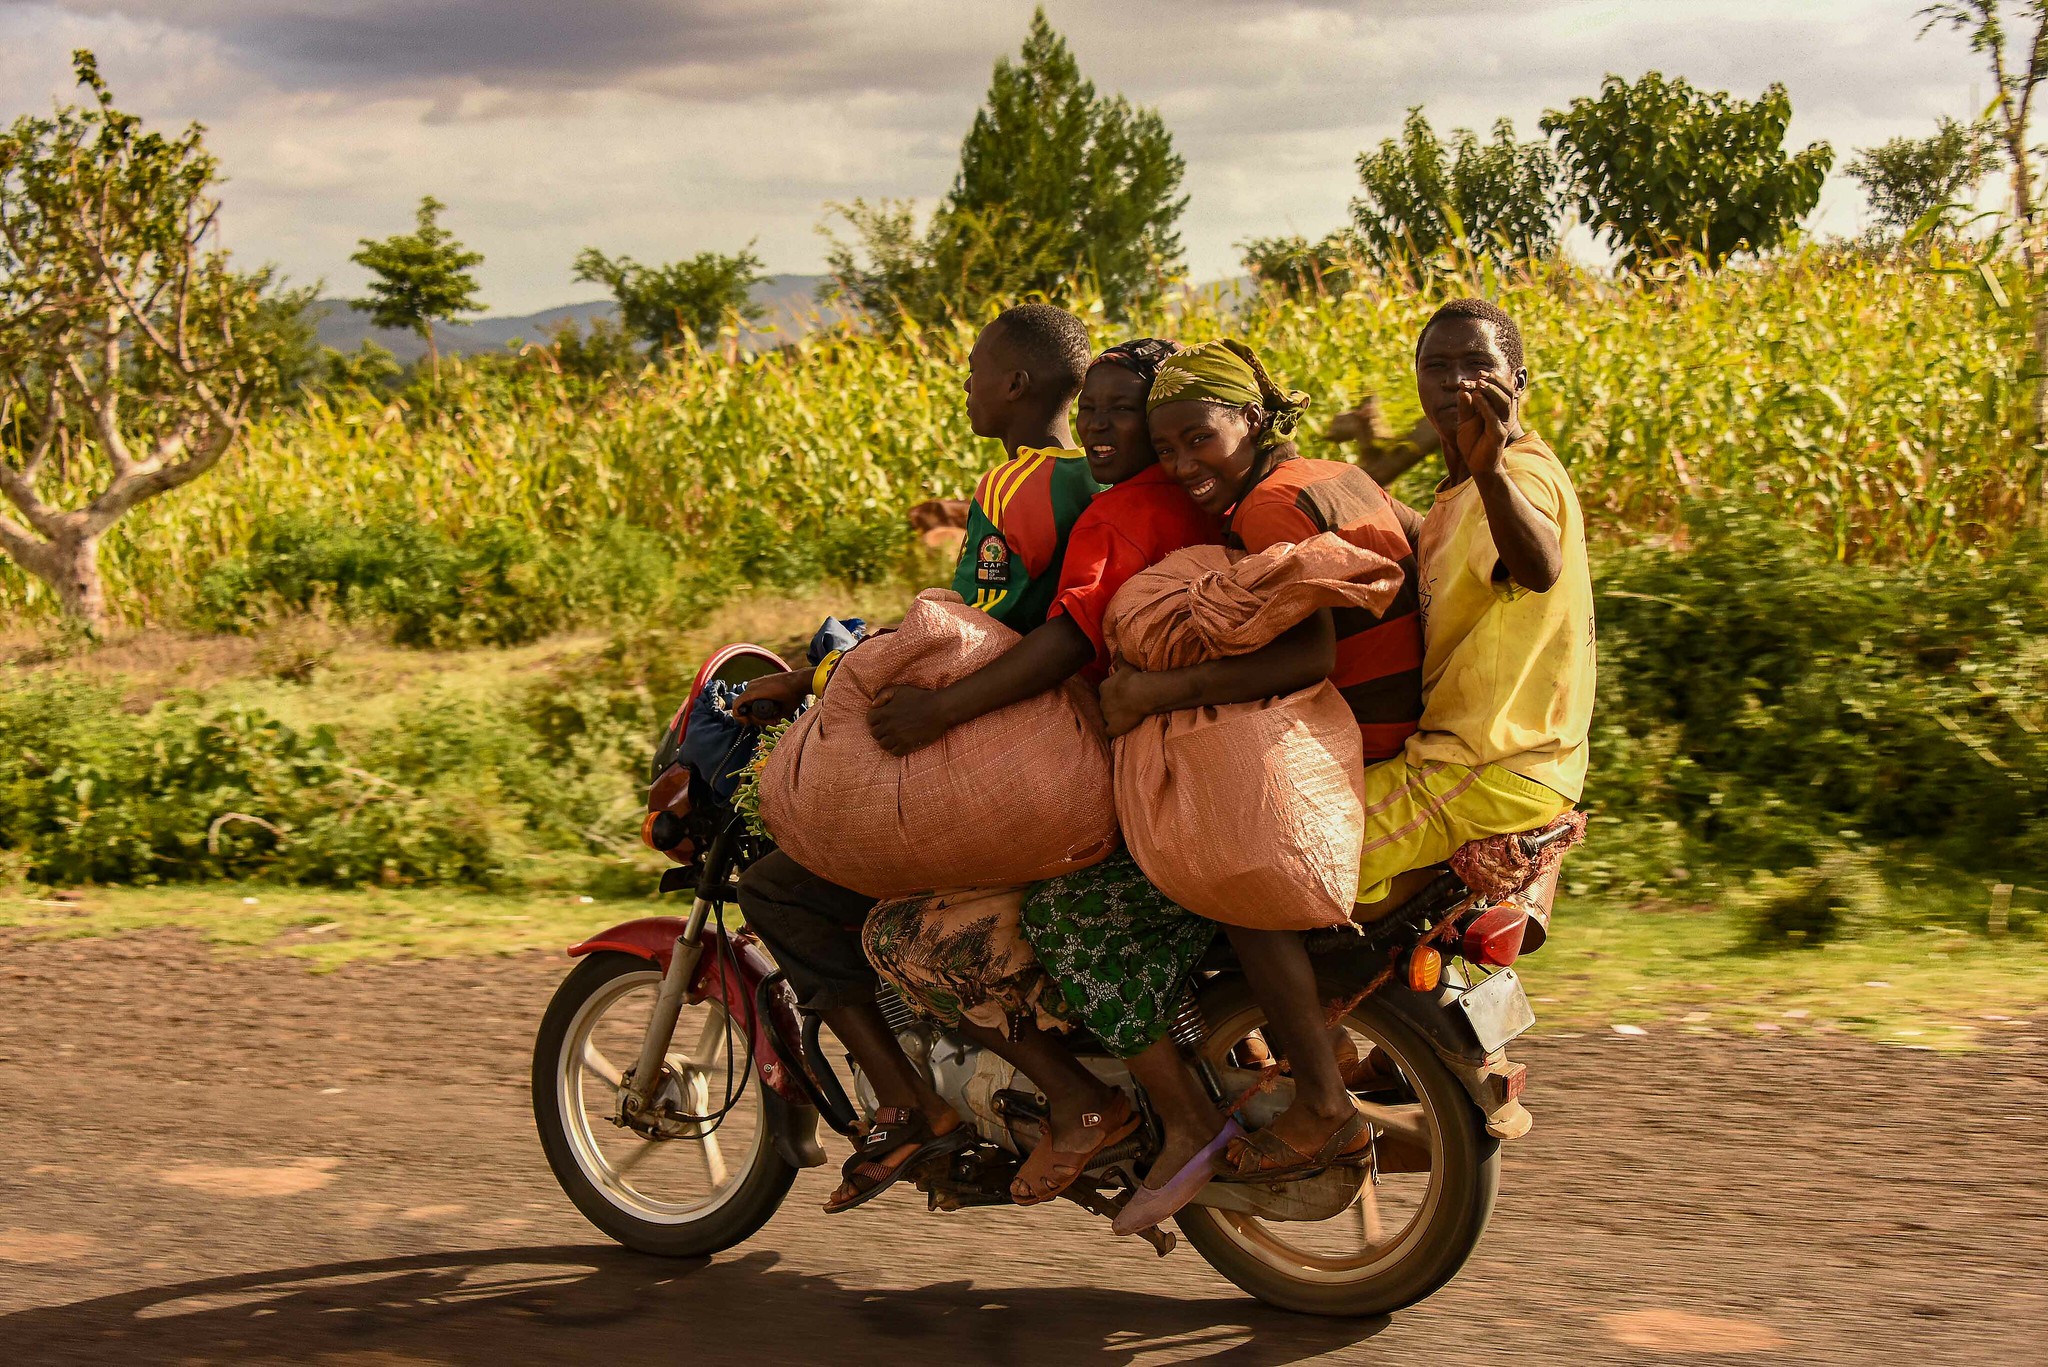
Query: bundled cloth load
[
  {"x": 1012, "y": 797},
  {"x": 1248, "y": 814}
]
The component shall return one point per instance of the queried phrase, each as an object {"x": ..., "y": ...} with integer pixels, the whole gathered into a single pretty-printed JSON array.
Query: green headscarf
[{"x": 1228, "y": 372}]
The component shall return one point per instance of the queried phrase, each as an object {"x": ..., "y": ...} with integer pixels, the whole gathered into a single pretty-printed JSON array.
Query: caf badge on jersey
[{"x": 992, "y": 561}]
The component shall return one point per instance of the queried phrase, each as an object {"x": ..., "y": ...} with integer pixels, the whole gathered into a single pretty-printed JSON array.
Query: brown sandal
[
  {"x": 1118, "y": 1122},
  {"x": 1262, "y": 1156},
  {"x": 894, "y": 1126}
]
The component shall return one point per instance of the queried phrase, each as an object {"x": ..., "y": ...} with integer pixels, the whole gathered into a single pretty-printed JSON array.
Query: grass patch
[
  {"x": 327, "y": 929},
  {"x": 1699, "y": 970}
]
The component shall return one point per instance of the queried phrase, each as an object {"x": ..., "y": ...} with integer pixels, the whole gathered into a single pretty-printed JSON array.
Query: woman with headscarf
[
  {"x": 1220, "y": 424},
  {"x": 961, "y": 958}
]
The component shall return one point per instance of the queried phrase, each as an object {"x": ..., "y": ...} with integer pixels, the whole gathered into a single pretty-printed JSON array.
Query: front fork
[{"x": 675, "y": 983}]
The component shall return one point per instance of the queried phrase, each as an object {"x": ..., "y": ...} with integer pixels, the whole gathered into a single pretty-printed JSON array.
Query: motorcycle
[{"x": 678, "y": 1090}]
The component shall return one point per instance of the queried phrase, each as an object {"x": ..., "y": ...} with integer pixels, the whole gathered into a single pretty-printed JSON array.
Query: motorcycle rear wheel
[
  {"x": 1288, "y": 1263},
  {"x": 642, "y": 1192}
]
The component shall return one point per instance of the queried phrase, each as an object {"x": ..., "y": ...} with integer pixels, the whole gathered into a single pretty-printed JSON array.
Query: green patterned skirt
[
  {"x": 1101, "y": 947},
  {"x": 1118, "y": 951}
]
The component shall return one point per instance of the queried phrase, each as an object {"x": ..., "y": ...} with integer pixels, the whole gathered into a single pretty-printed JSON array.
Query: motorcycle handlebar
[
  {"x": 762, "y": 712},
  {"x": 1535, "y": 844}
]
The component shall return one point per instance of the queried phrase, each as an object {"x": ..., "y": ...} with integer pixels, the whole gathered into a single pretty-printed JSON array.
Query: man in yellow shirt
[{"x": 1507, "y": 619}]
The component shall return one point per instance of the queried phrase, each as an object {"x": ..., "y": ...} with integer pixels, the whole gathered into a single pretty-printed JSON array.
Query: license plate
[{"x": 1498, "y": 1009}]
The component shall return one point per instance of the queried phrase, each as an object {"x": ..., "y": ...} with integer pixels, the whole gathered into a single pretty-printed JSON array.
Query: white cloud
[{"x": 662, "y": 127}]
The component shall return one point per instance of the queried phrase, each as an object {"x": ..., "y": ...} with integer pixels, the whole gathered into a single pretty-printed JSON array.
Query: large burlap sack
[
  {"x": 1249, "y": 814},
  {"x": 1012, "y": 797}
]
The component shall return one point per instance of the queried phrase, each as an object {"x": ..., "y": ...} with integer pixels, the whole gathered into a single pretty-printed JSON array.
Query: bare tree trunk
[
  {"x": 2040, "y": 361},
  {"x": 2031, "y": 257},
  {"x": 70, "y": 565},
  {"x": 63, "y": 548}
]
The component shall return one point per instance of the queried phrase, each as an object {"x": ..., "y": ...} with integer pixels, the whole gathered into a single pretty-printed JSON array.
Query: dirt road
[{"x": 213, "y": 1161}]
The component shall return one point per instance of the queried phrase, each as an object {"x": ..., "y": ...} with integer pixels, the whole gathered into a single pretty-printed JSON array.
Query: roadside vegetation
[{"x": 415, "y": 633}]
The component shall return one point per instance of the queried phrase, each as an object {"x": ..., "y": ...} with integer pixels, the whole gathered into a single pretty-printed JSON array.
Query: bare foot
[{"x": 1364, "y": 1070}]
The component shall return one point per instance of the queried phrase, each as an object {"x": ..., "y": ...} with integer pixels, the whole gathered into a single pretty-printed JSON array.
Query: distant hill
[{"x": 791, "y": 302}]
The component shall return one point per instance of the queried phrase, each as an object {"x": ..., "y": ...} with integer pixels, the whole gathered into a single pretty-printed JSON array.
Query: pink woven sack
[
  {"x": 1249, "y": 814},
  {"x": 1012, "y": 797}
]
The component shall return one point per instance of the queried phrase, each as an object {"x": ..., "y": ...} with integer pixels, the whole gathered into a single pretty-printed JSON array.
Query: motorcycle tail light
[
  {"x": 1425, "y": 969},
  {"x": 1494, "y": 937}
]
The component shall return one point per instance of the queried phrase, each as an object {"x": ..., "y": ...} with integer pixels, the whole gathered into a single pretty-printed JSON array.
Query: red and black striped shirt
[{"x": 1379, "y": 656}]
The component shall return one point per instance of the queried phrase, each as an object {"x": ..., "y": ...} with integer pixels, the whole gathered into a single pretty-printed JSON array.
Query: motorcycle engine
[{"x": 1002, "y": 1103}]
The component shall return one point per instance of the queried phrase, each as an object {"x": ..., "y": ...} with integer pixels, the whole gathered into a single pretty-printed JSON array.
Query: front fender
[
  {"x": 729, "y": 974},
  {"x": 650, "y": 937}
]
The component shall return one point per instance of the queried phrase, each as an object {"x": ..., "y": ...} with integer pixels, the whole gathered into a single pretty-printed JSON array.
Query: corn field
[{"x": 1874, "y": 402}]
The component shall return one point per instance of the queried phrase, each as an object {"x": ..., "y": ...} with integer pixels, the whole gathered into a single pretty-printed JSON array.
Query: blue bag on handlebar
[
  {"x": 719, "y": 745},
  {"x": 716, "y": 743}
]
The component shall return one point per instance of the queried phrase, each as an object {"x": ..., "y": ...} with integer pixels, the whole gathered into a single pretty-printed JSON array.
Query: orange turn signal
[
  {"x": 1425, "y": 969},
  {"x": 664, "y": 832}
]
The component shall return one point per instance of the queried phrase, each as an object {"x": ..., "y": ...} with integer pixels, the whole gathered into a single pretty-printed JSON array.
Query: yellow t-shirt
[{"x": 1507, "y": 674}]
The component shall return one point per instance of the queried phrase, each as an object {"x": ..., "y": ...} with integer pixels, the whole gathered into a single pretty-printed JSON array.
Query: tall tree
[
  {"x": 1665, "y": 170},
  {"x": 131, "y": 353},
  {"x": 1298, "y": 266},
  {"x": 663, "y": 304},
  {"x": 1055, "y": 183},
  {"x": 885, "y": 269},
  {"x": 2016, "y": 73},
  {"x": 419, "y": 277},
  {"x": 1499, "y": 198},
  {"x": 1906, "y": 179}
]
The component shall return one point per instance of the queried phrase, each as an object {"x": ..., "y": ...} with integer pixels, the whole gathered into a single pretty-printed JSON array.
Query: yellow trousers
[{"x": 1418, "y": 814}]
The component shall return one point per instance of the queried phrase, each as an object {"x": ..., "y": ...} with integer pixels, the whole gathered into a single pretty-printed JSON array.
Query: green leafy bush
[
  {"x": 91, "y": 793},
  {"x": 1770, "y": 705},
  {"x": 497, "y": 584},
  {"x": 459, "y": 792}
]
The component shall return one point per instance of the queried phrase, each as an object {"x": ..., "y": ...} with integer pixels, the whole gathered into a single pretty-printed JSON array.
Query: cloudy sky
[{"x": 665, "y": 127}]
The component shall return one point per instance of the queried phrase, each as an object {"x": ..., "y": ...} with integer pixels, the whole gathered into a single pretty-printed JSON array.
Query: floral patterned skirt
[
  {"x": 955, "y": 956},
  {"x": 1100, "y": 946}
]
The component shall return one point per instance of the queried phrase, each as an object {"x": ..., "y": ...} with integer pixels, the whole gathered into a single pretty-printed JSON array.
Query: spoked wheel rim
[
  {"x": 1393, "y": 1211},
  {"x": 668, "y": 1181}
]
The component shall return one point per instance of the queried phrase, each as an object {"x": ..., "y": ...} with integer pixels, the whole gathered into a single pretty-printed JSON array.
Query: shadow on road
[{"x": 498, "y": 1307}]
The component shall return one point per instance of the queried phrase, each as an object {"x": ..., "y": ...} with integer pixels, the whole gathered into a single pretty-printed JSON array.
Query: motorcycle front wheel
[
  {"x": 1425, "y": 1195},
  {"x": 707, "y": 1188}
]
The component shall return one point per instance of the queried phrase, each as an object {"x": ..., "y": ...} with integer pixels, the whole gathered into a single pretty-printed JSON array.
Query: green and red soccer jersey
[{"x": 1017, "y": 530}]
